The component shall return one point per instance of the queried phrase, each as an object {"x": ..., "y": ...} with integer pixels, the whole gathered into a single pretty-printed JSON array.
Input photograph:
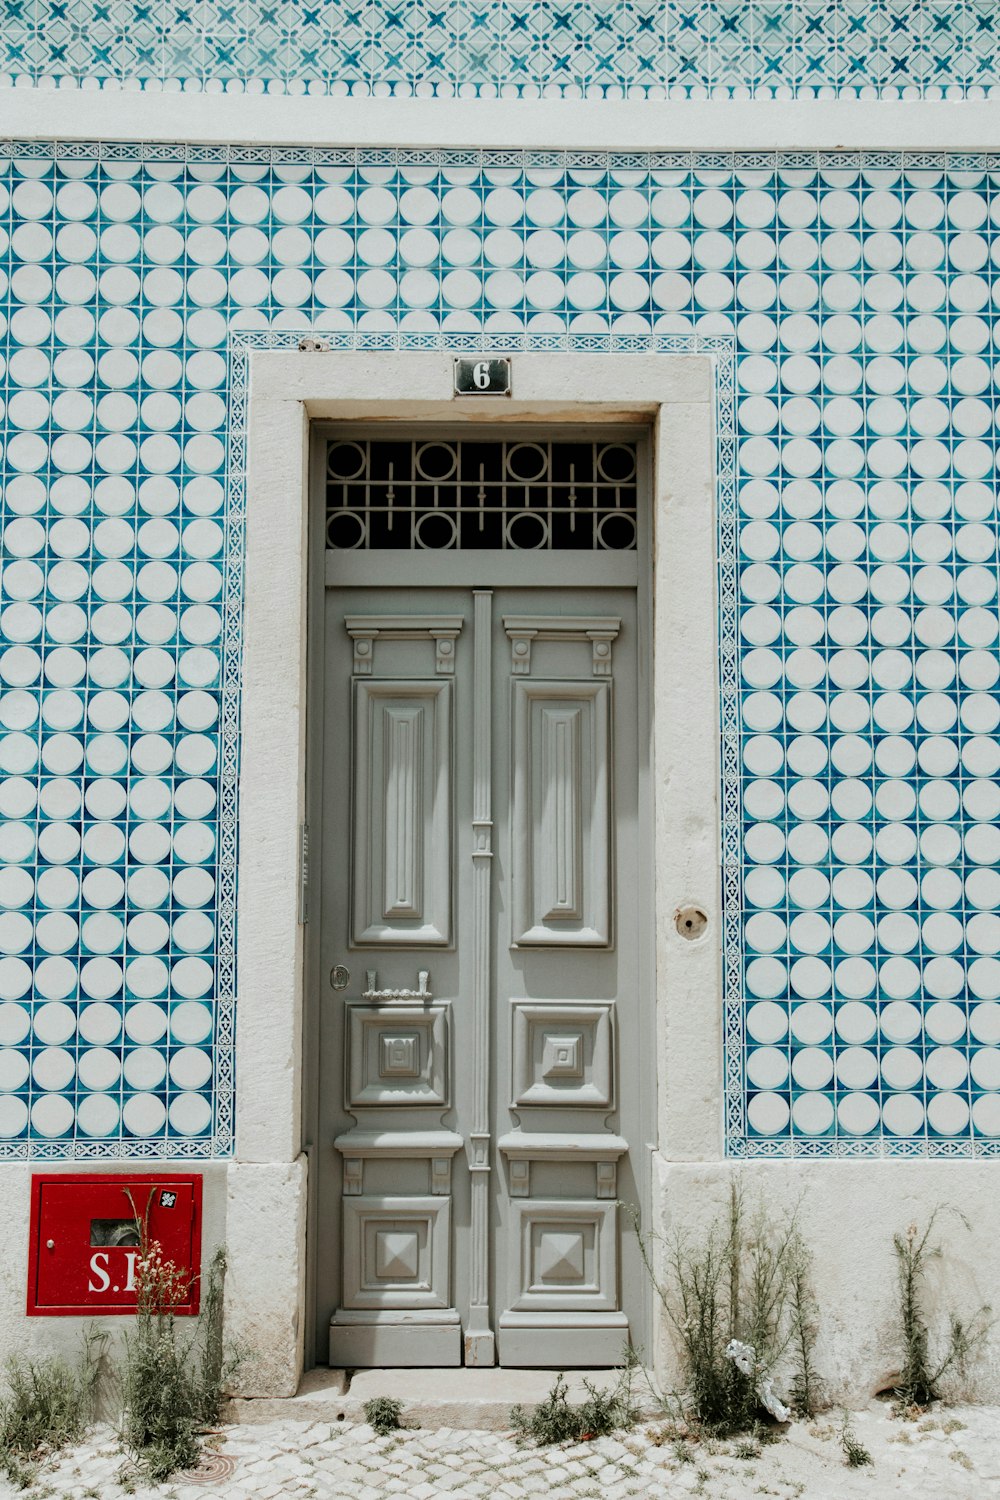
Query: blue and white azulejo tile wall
[
  {"x": 850, "y": 304},
  {"x": 496, "y": 48}
]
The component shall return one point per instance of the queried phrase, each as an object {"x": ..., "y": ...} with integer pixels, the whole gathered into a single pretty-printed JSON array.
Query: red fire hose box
[{"x": 87, "y": 1235}]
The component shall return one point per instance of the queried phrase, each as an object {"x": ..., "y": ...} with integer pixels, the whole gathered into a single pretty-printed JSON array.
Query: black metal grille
[{"x": 509, "y": 494}]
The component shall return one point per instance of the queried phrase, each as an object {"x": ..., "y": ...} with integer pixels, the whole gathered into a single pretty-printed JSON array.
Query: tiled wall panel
[
  {"x": 850, "y": 304},
  {"x": 489, "y": 48}
]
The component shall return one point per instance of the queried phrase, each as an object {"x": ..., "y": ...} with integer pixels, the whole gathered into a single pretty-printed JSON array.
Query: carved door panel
[
  {"x": 567, "y": 976},
  {"x": 398, "y": 714},
  {"x": 480, "y": 1070}
]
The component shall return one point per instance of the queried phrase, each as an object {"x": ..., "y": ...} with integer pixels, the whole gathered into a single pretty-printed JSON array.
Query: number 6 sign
[{"x": 482, "y": 377}]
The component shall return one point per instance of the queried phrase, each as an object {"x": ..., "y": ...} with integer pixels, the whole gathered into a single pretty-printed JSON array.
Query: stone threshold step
[{"x": 458, "y": 1398}]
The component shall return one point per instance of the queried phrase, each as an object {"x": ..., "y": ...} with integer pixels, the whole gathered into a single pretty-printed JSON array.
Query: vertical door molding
[
  {"x": 561, "y": 814},
  {"x": 402, "y": 812},
  {"x": 480, "y": 1344}
]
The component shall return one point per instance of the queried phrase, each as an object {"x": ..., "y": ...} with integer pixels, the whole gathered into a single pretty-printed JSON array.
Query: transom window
[{"x": 506, "y": 494}]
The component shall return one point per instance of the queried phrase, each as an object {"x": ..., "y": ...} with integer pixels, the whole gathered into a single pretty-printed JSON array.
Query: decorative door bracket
[
  {"x": 522, "y": 630},
  {"x": 360, "y": 1145},
  {"x": 479, "y": 1151},
  {"x": 522, "y": 1147},
  {"x": 365, "y": 630}
]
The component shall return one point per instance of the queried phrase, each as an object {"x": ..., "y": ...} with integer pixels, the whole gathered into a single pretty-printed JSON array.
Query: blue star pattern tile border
[
  {"x": 517, "y": 48},
  {"x": 848, "y": 305}
]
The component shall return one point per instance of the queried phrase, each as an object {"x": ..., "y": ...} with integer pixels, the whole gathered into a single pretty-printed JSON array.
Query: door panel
[
  {"x": 482, "y": 1076},
  {"x": 391, "y": 1198},
  {"x": 402, "y": 797},
  {"x": 567, "y": 973},
  {"x": 560, "y": 873}
]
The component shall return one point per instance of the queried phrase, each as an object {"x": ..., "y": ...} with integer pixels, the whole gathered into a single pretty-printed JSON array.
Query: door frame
[
  {"x": 531, "y": 572},
  {"x": 672, "y": 396}
]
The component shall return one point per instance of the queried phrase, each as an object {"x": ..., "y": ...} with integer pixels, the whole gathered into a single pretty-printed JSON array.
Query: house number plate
[{"x": 482, "y": 377}]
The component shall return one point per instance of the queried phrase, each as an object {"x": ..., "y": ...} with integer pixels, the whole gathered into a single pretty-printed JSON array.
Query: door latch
[
  {"x": 303, "y": 873},
  {"x": 340, "y": 977}
]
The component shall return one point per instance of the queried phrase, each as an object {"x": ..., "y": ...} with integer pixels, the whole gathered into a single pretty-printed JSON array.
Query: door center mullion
[{"x": 480, "y": 1344}]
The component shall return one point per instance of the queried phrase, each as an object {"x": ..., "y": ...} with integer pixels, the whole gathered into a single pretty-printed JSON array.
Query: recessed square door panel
[
  {"x": 402, "y": 813},
  {"x": 561, "y": 1054},
  {"x": 567, "y": 1256},
  {"x": 396, "y": 1252},
  {"x": 397, "y": 1054},
  {"x": 561, "y": 844}
]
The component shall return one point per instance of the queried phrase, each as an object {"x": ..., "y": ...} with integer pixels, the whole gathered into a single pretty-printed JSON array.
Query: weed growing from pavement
[
  {"x": 556, "y": 1420},
  {"x": 172, "y": 1380},
  {"x": 856, "y": 1455},
  {"x": 746, "y": 1283},
  {"x": 383, "y": 1415},
  {"x": 921, "y": 1372},
  {"x": 48, "y": 1403},
  {"x": 803, "y": 1314}
]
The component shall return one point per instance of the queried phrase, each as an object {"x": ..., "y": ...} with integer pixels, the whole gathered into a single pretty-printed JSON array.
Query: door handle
[{"x": 340, "y": 977}]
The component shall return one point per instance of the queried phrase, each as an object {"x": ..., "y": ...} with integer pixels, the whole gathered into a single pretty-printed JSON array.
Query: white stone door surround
[{"x": 672, "y": 394}]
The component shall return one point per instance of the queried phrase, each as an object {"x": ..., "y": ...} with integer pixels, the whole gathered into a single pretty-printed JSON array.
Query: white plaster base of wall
[
  {"x": 256, "y": 1211},
  {"x": 40, "y": 1335},
  {"x": 265, "y": 1287},
  {"x": 849, "y": 1212}
]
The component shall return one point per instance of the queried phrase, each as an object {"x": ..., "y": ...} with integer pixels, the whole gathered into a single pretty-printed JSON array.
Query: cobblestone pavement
[{"x": 951, "y": 1452}]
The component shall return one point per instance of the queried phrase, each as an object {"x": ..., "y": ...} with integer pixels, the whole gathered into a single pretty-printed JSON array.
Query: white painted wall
[
  {"x": 113, "y": 113},
  {"x": 848, "y": 1212},
  {"x": 689, "y": 1063}
]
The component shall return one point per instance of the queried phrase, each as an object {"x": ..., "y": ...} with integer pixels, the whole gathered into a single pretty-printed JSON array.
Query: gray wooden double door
[{"x": 481, "y": 941}]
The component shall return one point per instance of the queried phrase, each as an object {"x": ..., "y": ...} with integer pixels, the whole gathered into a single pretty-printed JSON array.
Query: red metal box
[{"x": 85, "y": 1239}]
